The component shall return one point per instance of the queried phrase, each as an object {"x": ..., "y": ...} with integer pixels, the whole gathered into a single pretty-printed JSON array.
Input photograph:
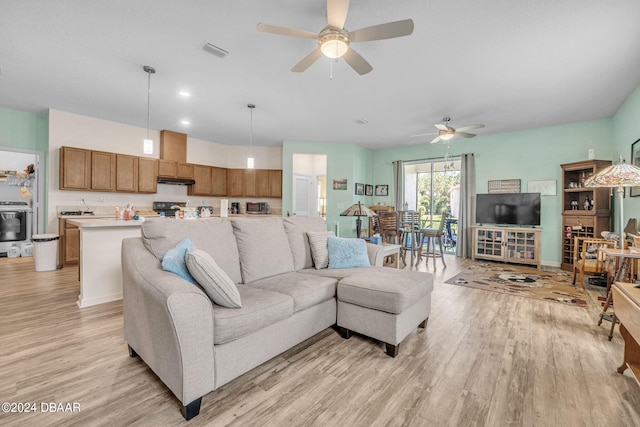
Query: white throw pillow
[
  {"x": 214, "y": 281},
  {"x": 319, "y": 249}
]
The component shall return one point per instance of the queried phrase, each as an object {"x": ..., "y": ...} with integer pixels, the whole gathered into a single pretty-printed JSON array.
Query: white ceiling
[{"x": 509, "y": 64}]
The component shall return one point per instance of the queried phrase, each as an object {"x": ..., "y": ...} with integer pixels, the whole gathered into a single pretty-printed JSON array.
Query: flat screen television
[{"x": 508, "y": 208}]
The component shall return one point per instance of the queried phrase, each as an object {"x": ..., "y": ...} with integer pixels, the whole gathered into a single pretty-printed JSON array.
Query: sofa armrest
[
  {"x": 168, "y": 322},
  {"x": 375, "y": 254}
]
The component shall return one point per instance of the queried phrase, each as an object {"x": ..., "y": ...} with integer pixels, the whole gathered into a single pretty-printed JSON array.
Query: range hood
[{"x": 175, "y": 181}]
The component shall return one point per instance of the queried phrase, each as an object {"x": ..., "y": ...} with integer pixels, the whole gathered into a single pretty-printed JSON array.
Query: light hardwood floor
[{"x": 485, "y": 359}]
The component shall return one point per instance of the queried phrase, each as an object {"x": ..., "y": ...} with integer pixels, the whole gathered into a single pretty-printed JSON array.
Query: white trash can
[{"x": 45, "y": 251}]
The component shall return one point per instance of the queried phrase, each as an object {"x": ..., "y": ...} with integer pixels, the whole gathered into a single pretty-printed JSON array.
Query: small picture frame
[
  {"x": 340, "y": 184},
  {"x": 382, "y": 190},
  {"x": 635, "y": 160},
  {"x": 368, "y": 190},
  {"x": 359, "y": 189}
]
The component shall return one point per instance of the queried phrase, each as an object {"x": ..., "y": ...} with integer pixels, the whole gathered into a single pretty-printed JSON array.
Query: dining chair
[
  {"x": 388, "y": 222},
  {"x": 587, "y": 257},
  {"x": 409, "y": 229}
]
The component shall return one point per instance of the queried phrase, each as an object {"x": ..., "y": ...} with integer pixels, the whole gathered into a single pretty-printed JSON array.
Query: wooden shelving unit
[
  {"x": 508, "y": 244},
  {"x": 576, "y": 220}
]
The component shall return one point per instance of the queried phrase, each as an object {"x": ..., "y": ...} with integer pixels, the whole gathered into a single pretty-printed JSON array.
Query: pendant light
[
  {"x": 147, "y": 147},
  {"x": 250, "y": 158}
]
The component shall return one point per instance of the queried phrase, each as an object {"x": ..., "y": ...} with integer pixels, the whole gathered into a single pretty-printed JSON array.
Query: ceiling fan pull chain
[{"x": 330, "y": 70}]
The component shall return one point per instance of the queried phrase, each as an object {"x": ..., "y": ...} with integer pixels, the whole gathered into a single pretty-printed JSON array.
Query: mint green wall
[
  {"x": 528, "y": 155},
  {"x": 626, "y": 124},
  {"x": 28, "y": 131},
  {"x": 348, "y": 161}
]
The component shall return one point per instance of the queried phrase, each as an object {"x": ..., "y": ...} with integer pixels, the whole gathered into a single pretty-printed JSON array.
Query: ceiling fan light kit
[{"x": 334, "y": 41}]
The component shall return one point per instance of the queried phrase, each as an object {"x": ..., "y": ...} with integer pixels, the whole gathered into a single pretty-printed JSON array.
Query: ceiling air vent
[{"x": 217, "y": 51}]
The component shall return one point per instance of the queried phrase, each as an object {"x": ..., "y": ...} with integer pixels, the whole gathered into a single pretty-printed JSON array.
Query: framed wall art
[
  {"x": 368, "y": 190},
  {"x": 382, "y": 190},
  {"x": 340, "y": 184},
  {"x": 635, "y": 160},
  {"x": 359, "y": 189}
]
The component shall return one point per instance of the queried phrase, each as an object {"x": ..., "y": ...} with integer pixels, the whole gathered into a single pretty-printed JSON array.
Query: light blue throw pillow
[
  {"x": 347, "y": 253},
  {"x": 175, "y": 260}
]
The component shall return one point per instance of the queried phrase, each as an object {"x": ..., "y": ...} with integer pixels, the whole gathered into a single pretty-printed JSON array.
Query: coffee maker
[{"x": 235, "y": 208}]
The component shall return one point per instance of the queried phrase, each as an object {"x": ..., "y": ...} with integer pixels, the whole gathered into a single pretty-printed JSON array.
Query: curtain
[
  {"x": 398, "y": 184},
  {"x": 467, "y": 206}
]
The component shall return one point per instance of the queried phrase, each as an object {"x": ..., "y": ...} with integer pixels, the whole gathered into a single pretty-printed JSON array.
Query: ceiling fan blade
[
  {"x": 441, "y": 126},
  {"x": 464, "y": 128},
  {"x": 383, "y": 31},
  {"x": 337, "y": 12},
  {"x": 465, "y": 134},
  {"x": 356, "y": 61},
  {"x": 284, "y": 31},
  {"x": 307, "y": 61},
  {"x": 436, "y": 139},
  {"x": 423, "y": 134}
]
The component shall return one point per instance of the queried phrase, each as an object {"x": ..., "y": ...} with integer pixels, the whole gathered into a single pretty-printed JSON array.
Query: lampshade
[
  {"x": 446, "y": 135},
  {"x": 334, "y": 47},
  {"x": 358, "y": 209},
  {"x": 618, "y": 175}
]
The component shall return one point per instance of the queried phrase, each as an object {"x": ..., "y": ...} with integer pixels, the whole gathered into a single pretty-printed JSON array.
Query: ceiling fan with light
[
  {"x": 446, "y": 132},
  {"x": 334, "y": 41}
]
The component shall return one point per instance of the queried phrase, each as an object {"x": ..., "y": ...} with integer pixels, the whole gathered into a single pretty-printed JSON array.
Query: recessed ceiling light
[
  {"x": 363, "y": 121},
  {"x": 184, "y": 93},
  {"x": 185, "y": 122}
]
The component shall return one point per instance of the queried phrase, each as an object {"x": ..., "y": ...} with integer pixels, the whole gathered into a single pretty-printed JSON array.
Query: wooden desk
[{"x": 626, "y": 298}]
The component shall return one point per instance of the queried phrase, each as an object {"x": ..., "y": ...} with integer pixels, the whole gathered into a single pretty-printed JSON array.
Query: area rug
[{"x": 521, "y": 281}]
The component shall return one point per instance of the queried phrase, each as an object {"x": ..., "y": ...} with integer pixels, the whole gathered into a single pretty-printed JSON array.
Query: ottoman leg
[
  {"x": 344, "y": 332},
  {"x": 423, "y": 325},
  {"x": 392, "y": 350}
]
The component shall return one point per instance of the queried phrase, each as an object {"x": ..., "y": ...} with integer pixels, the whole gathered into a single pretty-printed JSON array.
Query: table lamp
[
  {"x": 358, "y": 210},
  {"x": 619, "y": 175}
]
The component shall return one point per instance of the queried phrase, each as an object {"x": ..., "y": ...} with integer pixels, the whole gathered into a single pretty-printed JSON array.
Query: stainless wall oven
[{"x": 15, "y": 225}]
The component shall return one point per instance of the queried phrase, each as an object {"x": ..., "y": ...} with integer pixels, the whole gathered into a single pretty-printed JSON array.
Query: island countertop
[{"x": 103, "y": 222}]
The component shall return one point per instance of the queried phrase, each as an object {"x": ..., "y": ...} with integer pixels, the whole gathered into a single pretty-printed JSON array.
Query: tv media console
[{"x": 507, "y": 244}]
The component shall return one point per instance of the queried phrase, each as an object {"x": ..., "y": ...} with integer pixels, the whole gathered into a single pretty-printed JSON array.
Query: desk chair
[{"x": 433, "y": 236}]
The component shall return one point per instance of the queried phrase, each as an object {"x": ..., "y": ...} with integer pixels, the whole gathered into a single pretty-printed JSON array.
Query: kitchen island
[{"x": 100, "y": 260}]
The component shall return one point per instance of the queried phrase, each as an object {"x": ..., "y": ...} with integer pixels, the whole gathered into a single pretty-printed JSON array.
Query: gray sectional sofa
[{"x": 195, "y": 346}]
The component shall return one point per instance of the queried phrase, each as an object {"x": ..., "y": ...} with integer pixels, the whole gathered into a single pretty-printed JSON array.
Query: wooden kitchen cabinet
[
  {"x": 69, "y": 243},
  {"x": 147, "y": 175},
  {"x": 218, "y": 181},
  {"x": 235, "y": 182},
  {"x": 202, "y": 177},
  {"x": 275, "y": 184},
  {"x": 262, "y": 182},
  {"x": 126, "y": 173},
  {"x": 75, "y": 169},
  {"x": 173, "y": 146},
  {"x": 249, "y": 183},
  {"x": 171, "y": 169},
  {"x": 103, "y": 171}
]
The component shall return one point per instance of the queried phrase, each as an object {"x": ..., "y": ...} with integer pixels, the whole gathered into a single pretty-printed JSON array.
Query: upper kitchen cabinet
[
  {"x": 202, "y": 177},
  {"x": 147, "y": 175},
  {"x": 250, "y": 188},
  {"x": 126, "y": 173},
  {"x": 75, "y": 169},
  {"x": 103, "y": 171},
  {"x": 173, "y": 169},
  {"x": 218, "y": 181},
  {"x": 262, "y": 183},
  {"x": 173, "y": 146},
  {"x": 275, "y": 184},
  {"x": 235, "y": 182}
]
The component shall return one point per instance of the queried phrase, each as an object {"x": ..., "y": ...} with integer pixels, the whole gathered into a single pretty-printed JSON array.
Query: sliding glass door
[{"x": 432, "y": 187}]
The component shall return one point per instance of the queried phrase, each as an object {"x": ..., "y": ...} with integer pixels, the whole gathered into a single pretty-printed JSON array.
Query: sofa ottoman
[{"x": 383, "y": 305}]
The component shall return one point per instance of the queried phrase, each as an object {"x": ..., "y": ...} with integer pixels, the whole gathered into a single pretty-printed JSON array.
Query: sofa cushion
[
  {"x": 263, "y": 247},
  {"x": 337, "y": 273},
  {"x": 296, "y": 229},
  {"x": 385, "y": 289},
  {"x": 347, "y": 253},
  {"x": 305, "y": 289},
  {"x": 260, "y": 308},
  {"x": 212, "y": 279},
  {"x": 213, "y": 235},
  {"x": 319, "y": 247},
  {"x": 174, "y": 260}
]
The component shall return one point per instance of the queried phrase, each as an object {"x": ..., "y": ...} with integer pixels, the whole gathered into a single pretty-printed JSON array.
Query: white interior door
[{"x": 302, "y": 195}]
